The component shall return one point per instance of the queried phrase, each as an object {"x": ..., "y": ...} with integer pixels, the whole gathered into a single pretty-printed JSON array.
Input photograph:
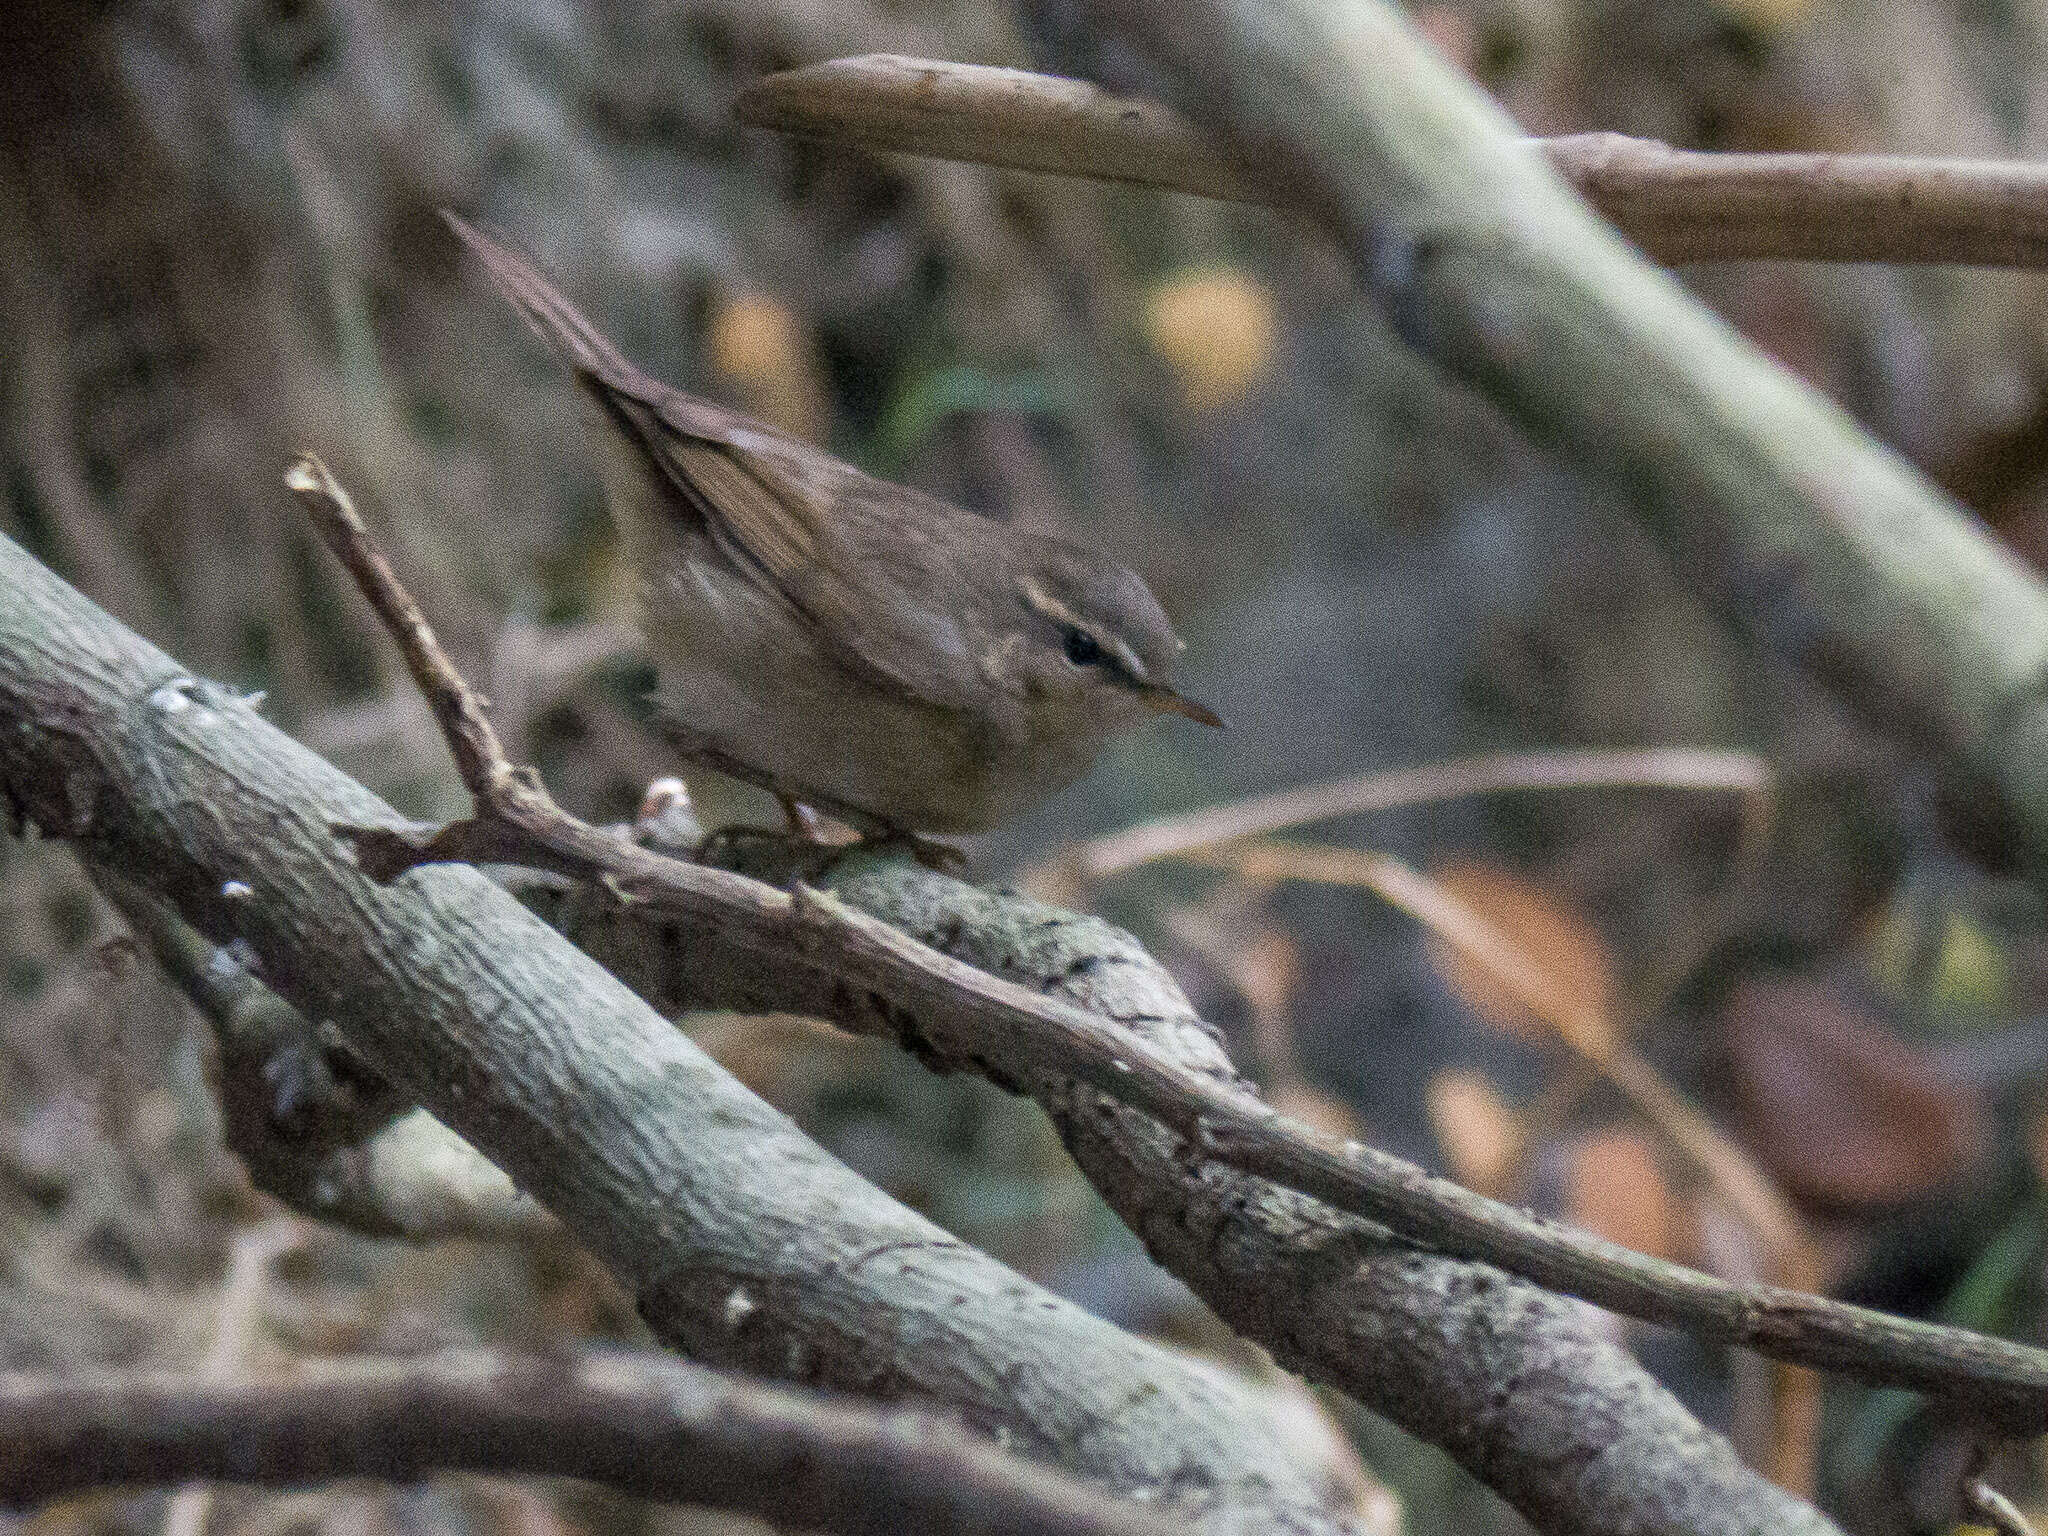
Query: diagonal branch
[
  {"x": 1773, "y": 504},
  {"x": 886, "y": 983},
  {"x": 740, "y": 1240},
  {"x": 1424, "y": 1338}
]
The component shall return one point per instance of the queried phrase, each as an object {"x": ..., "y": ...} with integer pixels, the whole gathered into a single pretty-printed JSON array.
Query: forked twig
[{"x": 888, "y": 984}]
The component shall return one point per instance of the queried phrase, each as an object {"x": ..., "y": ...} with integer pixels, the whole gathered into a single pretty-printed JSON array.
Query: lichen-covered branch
[
  {"x": 746, "y": 1244},
  {"x": 742, "y": 1241}
]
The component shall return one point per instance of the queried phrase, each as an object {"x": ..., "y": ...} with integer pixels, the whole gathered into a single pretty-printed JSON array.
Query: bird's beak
[{"x": 1158, "y": 696}]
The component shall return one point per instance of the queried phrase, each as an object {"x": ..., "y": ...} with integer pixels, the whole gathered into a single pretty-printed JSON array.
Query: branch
[
  {"x": 904, "y": 992},
  {"x": 1769, "y": 501},
  {"x": 1011, "y": 1036},
  {"x": 1684, "y": 205},
  {"x": 742, "y": 1242},
  {"x": 1679, "y": 205},
  {"x": 762, "y": 1252},
  {"x": 956, "y": 1013},
  {"x": 1584, "y": 1442},
  {"x": 316, "y": 1127},
  {"x": 651, "y": 1427}
]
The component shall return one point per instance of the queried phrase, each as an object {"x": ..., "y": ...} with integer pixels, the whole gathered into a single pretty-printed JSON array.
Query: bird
[{"x": 854, "y": 646}]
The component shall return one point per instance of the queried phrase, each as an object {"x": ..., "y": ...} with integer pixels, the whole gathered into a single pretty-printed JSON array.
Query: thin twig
[
  {"x": 647, "y": 1425},
  {"x": 1679, "y": 205},
  {"x": 456, "y": 707},
  {"x": 892, "y": 986},
  {"x": 1699, "y": 769}
]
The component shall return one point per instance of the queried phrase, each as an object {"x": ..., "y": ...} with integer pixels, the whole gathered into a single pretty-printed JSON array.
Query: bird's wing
[
  {"x": 782, "y": 513},
  {"x": 831, "y": 542}
]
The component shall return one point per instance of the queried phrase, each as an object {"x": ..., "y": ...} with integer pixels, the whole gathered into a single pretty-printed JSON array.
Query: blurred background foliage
[{"x": 218, "y": 244}]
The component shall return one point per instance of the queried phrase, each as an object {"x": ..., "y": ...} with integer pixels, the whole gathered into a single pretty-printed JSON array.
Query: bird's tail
[{"x": 553, "y": 318}]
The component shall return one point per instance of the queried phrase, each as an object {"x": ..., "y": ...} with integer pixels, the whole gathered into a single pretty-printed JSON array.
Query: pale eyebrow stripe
[{"x": 1045, "y": 603}]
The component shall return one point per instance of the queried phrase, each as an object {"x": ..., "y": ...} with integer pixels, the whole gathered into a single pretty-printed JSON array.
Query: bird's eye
[{"x": 1082, "y": 648}]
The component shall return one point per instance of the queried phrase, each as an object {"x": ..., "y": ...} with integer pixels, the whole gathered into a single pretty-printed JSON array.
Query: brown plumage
[{"x": 859, "y": 645}]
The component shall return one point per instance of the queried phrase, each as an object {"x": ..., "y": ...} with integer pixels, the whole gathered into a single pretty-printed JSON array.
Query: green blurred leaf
[{"x": 930, "y": 395}]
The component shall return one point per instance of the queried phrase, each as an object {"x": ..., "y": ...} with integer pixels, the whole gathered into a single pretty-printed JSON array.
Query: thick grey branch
[
  {"x": 743, "y": 1242},
  {"x": 1665, "y": 1453},
  {"x": 1426, "y": 1339},
  {"x": 653, "y": 1427},
  {"x": 965, "y": 1019}
]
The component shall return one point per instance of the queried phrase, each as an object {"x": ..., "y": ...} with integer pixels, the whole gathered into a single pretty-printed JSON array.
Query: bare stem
[
  {"x": 888, "y": 984},
  {"x": 456, "y": 706},
  {"x": 1694, "y": 769},
  {"x": 1679, "y": 205}
]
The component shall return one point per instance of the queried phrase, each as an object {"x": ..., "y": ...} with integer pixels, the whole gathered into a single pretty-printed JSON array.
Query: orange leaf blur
[{"x": 1558, "y": 943}]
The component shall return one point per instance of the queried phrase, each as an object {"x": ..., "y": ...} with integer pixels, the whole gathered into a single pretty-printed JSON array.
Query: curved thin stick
[{"x": 1685, "y": 768}]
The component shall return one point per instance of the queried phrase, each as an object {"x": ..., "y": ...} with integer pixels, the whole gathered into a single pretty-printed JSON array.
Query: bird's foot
[
  {"x": 939, "y": 858},
  {"x": 803, "y": 821},
  {"x": 730, "y": 846},
  {"x": 801, "y": 811}
]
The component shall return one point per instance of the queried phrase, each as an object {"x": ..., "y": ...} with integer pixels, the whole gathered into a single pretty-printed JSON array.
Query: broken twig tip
[{"x": 307, "y": 476}]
